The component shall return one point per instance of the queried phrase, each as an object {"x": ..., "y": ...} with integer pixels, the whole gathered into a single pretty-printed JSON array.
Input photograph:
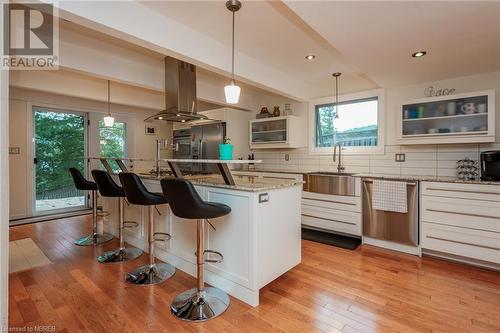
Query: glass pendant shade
[
  {"x": 232, "y": 92},
  {"x": 109, "y": 121}
]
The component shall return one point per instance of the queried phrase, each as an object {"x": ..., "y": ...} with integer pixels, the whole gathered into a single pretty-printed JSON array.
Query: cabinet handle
[
  {"x": 460, "y": 191},
  {"x": 460, "y": 213},
  {"x": 370, "y": 181},
  {"x": 322, "y": 218},
  {"x": 465, "y": 243},
  {"x": 323, "y": 200}
]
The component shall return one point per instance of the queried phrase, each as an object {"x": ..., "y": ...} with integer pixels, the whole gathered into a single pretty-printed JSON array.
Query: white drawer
[
  {"x": 462, "y": 191},
  {"x": 332, "y": 214},
  {"x": 465, "y": 213},
  {"x": 352, "y": 207},
  {"x": 350, "y": 228},
  {"x": 349, "y": 201},
  {"x": 476, "y": 244}
]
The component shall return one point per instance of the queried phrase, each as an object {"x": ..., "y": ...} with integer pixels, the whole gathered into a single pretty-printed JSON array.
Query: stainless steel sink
[{"x": 336, "y": 183}]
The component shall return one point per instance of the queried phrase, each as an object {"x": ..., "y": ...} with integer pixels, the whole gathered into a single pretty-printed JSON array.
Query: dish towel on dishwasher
[{"x": 390, "y": 196}]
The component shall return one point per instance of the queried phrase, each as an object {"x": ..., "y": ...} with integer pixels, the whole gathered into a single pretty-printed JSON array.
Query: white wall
[
  {"x": 432, "y": 160},
  {"x": 4, "y": 196},
  {"x": 21, "y": 101}
]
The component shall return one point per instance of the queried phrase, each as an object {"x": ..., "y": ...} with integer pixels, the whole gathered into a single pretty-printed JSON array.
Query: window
[
  {"x": 356, "y": 128},
  {"x": 112, "y": 142}
]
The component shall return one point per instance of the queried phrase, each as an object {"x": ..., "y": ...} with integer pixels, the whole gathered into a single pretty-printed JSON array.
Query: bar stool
[
  {"x": 108, "y": 188},
  {"x": 197, "y": 304},
  {"x": 84, "y": 185},
  {"x": 137, "y": 194}
]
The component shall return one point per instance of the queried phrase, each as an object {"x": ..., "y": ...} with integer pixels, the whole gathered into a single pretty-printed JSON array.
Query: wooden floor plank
[{"x": 332, "y": 290}]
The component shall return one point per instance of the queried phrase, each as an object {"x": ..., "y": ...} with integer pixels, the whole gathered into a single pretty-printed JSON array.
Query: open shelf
[
  {"x": 458, "y": 116},
  {"x": 444, "y": 134},
  {"x": 271, "y": 131}
]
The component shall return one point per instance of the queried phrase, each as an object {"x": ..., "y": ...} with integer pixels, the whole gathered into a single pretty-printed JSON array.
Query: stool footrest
[
  {"x": 103, "y": 213},
  {"x": 157, "y": 236},
  {"x": 130, "y": 224},
  {"x": 217, "y": 253}
]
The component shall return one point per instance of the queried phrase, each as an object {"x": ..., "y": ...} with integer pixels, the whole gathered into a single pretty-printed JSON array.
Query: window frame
[{"x": 379, "y": 149}]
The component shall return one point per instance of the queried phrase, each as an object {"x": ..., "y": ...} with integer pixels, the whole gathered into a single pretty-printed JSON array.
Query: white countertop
[{"x": 179, "y": 160}]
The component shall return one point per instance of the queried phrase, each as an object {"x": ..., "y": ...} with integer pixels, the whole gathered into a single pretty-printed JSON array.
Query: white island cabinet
[{"x": 260, "y": 239}]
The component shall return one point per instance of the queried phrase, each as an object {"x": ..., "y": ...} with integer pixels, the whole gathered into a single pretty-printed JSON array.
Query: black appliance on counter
[{"x": 490, "y": 165}]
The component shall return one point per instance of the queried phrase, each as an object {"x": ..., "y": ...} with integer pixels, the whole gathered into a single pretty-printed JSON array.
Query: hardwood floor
[{"x": 333, "y": 290}]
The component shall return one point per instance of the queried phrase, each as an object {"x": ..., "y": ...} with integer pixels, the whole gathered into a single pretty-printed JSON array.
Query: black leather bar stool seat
[
  {"x": 137, "y": 194},
  {"x": 85, "y": 185},
  {"x": 197, "y": 304},
  {"x": 109, "y": 188}
]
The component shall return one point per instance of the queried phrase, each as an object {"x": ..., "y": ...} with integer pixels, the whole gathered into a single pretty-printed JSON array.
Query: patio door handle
[{"x": 35, "y": 160}]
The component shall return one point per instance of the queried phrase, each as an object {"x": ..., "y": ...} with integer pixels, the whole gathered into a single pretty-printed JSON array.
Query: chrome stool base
[
  {"x": 194, "y": 305},
  {"x": 120, "y": 255},
  {"x": 94, "y": 240},
  {"x": 151, "y": 274}
]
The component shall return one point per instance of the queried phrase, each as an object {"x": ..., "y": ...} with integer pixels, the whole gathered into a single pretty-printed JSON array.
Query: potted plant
[{"x": 226, "y": 149}]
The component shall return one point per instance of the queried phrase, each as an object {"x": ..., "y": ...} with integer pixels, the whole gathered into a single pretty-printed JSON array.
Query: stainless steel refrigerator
[{"x": 205, "y": 140}]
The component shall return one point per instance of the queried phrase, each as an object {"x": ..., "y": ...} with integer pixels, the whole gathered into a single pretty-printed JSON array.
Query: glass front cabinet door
[
  {"x": 275, "y": 132},
  {"x": 461, "y": 118}
]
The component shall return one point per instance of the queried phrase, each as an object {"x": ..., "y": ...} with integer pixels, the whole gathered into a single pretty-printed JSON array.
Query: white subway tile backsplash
[
  {"x": 426, "y": 160},
  {"x": 418, "y": 171}
]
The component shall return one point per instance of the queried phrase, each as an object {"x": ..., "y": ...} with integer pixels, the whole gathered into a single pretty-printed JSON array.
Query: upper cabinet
[
  {"x": 276, "y": 132},
  {"x": 461, "y": 118}
]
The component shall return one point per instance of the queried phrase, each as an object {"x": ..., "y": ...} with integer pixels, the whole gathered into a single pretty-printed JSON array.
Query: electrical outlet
[
  {"x": 399, "y": 157},
  {"x": 14, "y": 150}
]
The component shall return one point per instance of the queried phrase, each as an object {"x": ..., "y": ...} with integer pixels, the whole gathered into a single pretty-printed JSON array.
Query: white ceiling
[
  {"x": 370, "y": 42},
  {"x": 271, "y": 34},
  {"x": 461, "y": 37}
]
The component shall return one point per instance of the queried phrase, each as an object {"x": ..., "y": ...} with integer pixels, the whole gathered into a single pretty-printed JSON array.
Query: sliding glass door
[{"x": 60, "y": 142}]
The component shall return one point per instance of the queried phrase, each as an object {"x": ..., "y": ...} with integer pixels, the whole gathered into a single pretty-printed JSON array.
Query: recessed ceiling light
[
  {"x": 310, "y": 57},
  {"x": 419, "y": 54}
]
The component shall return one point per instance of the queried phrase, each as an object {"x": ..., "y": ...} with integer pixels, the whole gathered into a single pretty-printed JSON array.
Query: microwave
[{"x": 490, "y": 165}]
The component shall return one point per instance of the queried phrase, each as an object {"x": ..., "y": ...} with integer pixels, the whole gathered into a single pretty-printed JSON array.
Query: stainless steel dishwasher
[{"x": 391, "y": 226}]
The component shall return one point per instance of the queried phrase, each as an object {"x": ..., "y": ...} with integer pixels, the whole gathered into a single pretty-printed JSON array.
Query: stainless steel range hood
[{"x": 180, "y": 78}]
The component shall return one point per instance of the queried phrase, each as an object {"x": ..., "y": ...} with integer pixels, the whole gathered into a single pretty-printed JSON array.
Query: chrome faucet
[{"x": 340, "y": 167}]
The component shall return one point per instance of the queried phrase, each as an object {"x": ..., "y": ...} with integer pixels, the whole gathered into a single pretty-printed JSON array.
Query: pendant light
[
  {"x": 336, "y": 76},
  {"x": 232, "y": 91},
  {"x": 109, "y": 121}
]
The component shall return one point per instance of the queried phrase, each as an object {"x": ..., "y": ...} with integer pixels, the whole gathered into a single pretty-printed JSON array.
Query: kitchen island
[{"x": 260, "y": 239}]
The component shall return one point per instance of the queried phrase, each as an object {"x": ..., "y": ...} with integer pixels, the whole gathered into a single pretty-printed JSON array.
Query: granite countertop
[
  {"x": 243, "y": 183},
  {"x": 442, "y": 179}
]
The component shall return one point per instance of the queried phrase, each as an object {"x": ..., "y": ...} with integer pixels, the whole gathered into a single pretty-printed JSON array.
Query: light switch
[
  {"x": 263, "y": 197},
  {"x": 400, "y": 157}
]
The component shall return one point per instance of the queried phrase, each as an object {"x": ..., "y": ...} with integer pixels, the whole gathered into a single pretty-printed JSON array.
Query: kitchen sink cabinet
[
  {"x": 461, "y": 221},
  {"x": 333, "y": 213}
]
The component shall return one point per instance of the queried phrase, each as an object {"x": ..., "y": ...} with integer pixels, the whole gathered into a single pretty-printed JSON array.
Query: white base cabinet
[
  {"x": 335, "y": 213},
  {"x": 462, "y": 220},
  {"x": 260, "y": 240}
]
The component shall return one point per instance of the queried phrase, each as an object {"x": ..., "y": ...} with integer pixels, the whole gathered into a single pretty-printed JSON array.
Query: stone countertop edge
[{"x": 276, "y": 184}]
